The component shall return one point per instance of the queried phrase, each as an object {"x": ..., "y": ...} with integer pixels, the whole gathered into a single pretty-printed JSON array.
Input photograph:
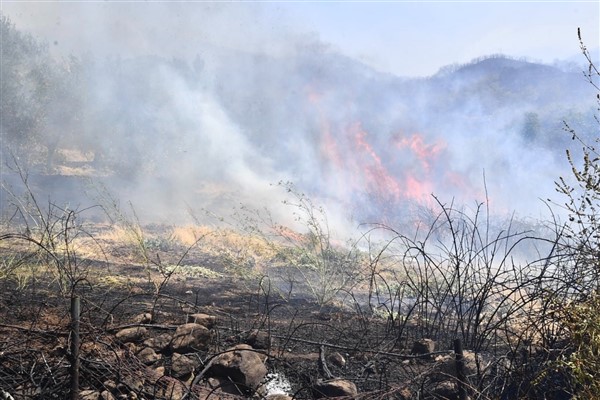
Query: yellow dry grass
[
  {"x": 190, "y": 234},
  {"x": 118, "y": 234},
  {"x": 219, "y": 239}
]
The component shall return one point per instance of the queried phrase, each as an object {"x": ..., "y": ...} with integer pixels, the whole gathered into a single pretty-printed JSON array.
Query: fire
[
  {"x": 390, "y": 175},
  {"x": 425, "y": 153},
  {"x": 382, "y": 171},
  {"x": 418, "y": 190},
  {"x": 329, "y": 147},
  {"x": 378, "y": 177}
]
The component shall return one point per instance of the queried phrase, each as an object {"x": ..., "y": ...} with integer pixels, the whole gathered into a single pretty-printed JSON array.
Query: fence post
[
  {"x": 460, "y": 370},
  {"x": 75, "y": 312}
]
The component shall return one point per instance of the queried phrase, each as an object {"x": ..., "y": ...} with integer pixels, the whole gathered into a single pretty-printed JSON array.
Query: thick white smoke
[{"x": 206, "y": 105}]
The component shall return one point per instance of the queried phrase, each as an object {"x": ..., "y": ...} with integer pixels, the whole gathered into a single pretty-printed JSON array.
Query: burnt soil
[
  {"x": 115, "y": 288},
  {"x": 35, "y": 324}
]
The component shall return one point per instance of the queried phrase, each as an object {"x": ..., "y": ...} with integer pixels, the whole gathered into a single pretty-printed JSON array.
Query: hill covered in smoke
[{"x": 219, "y": 126}]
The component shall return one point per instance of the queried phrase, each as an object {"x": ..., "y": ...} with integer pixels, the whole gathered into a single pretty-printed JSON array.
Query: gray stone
[
  {"x": 181, "y": 366},
  {"x": 106, "y": 395},
  {"x": 89, "y": 395},
  {"x": 131, "y": 335},
  {"x": 241, "y": 365},
  {"x": 159, "y": 343},
  {"x": 109, "y": 385},
  {"x": 171, "y": 389},
  {"x": 336, "y": 359},
  {"x": 130, "y": 347},
  {"x": 334, "y": 388},
  {"x": 148, "y": 356},
  {"x": 145, "y": 318},
  {"x": 208, "y": 321},
  {"x": 447, "y": 366},
  {"x": 258, "y": 339},
  {"x": 191, "y": 337}
]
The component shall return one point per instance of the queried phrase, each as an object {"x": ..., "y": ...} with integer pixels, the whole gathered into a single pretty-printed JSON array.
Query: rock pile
[
  {"x": 171, "y": 363},
  {"x": 178, "y": 360}
]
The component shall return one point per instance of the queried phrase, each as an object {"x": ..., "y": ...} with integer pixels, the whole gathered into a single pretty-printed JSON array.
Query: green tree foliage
[
  {"x": 22, "y": 65},
  {"x": 40, "y": 97}
]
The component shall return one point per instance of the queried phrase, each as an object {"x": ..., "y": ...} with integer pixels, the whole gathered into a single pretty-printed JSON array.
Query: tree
[
  {"x": 531, "y": 126},
  {"x": 22, "y": 62},
  {"x": 40, "y": 97}
]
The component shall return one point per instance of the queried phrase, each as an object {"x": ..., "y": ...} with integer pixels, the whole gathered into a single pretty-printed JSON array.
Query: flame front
[{"x": 381, "y": 171}]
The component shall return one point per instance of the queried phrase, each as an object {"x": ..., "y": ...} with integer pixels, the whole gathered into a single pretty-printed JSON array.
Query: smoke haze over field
[{"x": 206, "y": 105}]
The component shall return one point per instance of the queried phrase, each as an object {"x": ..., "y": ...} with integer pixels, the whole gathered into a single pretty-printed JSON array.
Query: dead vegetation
[{"x": 323, "y": 319}]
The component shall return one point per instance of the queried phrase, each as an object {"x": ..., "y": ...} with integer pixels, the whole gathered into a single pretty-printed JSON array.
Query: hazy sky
[
  {"x": 405, "y": 38},
  {"x": 416, "y": 38}
]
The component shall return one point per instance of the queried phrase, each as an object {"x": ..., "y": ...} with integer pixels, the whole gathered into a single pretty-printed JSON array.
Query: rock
[
  {"x": 131, "y": 383},
  {"x": 444, "y": 390},
  {"x": 213, "y": 382},
  {"x": 423, "y": 346},
  {"x": 130, "y": 347},
  {"x": 278, "y": 397},
  {"x": 159, "y": 372},
  {"x": 242, "y": 366},
  {"x": 106, "y": 395},
  {"x": 109, "y": 385},
  {"x": 208, "y": 321},
  {"x": 171, "y": 389},
  {"x": 191, "y": 337},
  {"x": 225, "y": 388},
  {"x": 334, "y": 388},
  {"x": 89, "y": 395},
  {"x": 181, "y": 366},
  {"x": 336, "y": 359},
  {"x": 258, "y": 339},
  {"x": 148, "y": 356},
  {"x": 159, "y": 343},
  {"x": 447, "y": 368},
  {"x": 131, "y": 335},
  {"x": 145, "y": 318},
  {"x": 403, "y": 394}
]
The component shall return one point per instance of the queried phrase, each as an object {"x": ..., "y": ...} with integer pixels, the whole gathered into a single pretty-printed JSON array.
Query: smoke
[
  {"x": 206, "y": 105},
  {"x": 131, "y": 29}
]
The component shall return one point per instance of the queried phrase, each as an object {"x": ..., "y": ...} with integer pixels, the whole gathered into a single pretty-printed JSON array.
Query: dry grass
[{"x": 238, "y": 247}]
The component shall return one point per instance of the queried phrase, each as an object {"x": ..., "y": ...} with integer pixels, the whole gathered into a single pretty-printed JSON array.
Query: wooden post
[
  {"x": 75, "y": 312},
  {"x": 460, "y": 370}
]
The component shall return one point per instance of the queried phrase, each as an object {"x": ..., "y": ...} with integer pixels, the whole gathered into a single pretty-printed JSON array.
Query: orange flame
[
  {"x": 399, "y": 167},
  {"x": 425, "y": 153},
  {"x": 377, "y": 176}
]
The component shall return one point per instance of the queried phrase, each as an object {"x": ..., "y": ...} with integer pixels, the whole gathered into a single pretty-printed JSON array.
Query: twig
[
  {"x": 49, "y": 369},
  {"x": 335, "y": 346},
  {"x": 33, "y": 330},
  {"x": 153, "y": 326},
  {"x": 323, "y": 363}
]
